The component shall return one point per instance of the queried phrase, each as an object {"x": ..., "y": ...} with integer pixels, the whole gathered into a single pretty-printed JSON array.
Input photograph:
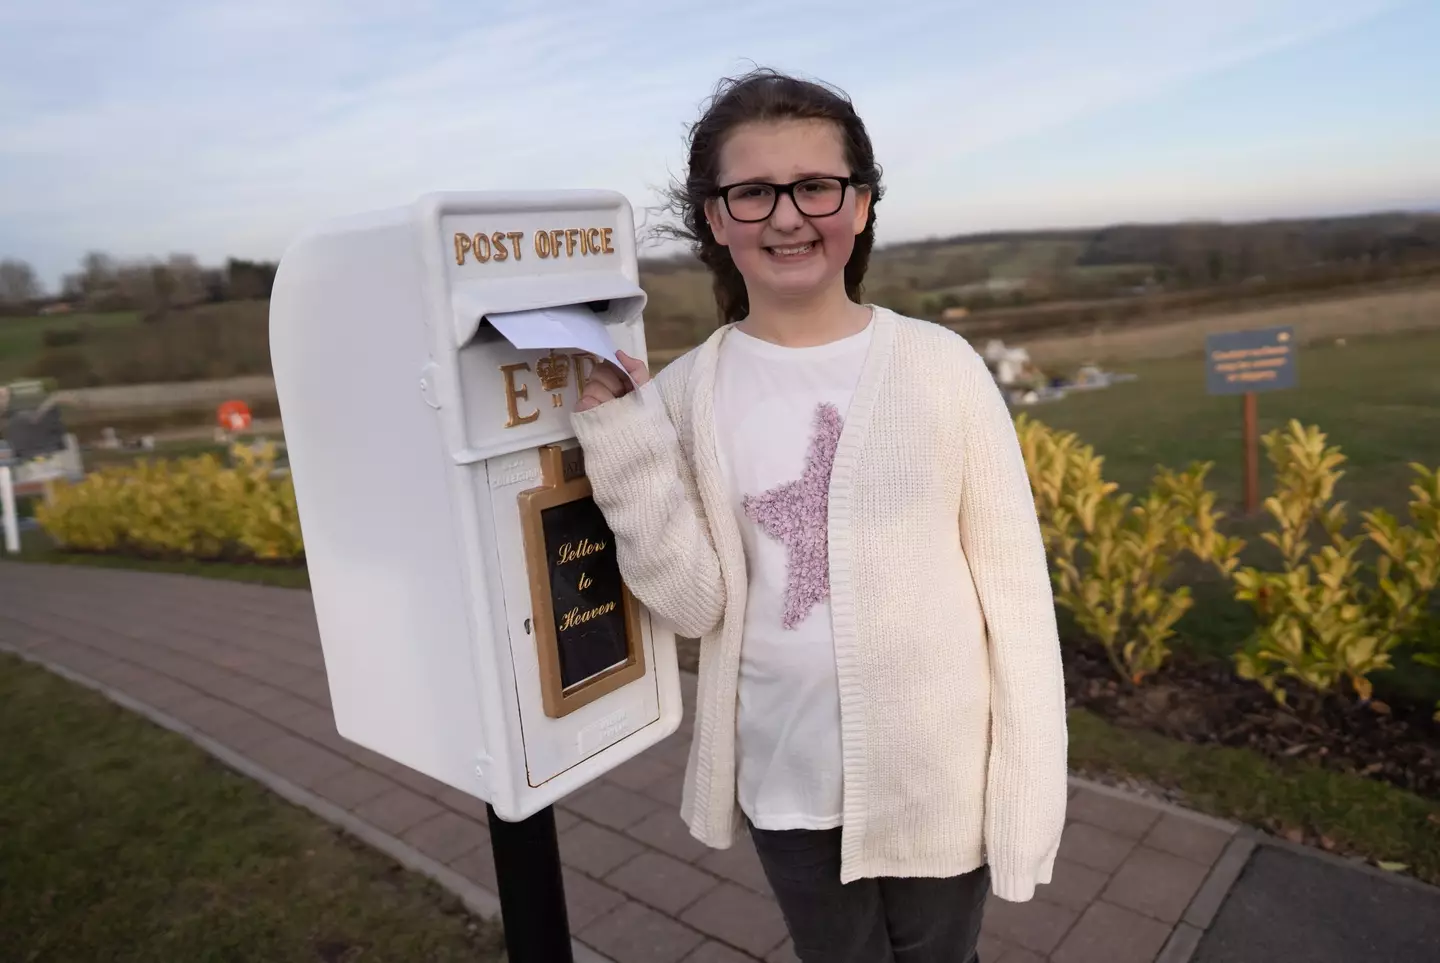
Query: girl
[{"x": 832, "y": 498}]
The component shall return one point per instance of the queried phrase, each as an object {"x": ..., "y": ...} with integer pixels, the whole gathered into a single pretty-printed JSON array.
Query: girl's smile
[{"x": 793, "y": 252}]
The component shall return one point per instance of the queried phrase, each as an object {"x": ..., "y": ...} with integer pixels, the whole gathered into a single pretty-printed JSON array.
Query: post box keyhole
[{"x": 527, "y": 626}]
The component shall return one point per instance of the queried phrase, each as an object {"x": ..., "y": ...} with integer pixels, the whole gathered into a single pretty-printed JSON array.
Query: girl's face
[{"x": 788, "y": 255}]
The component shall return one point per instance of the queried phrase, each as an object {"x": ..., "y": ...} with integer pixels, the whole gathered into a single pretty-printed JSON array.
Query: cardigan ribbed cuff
[
  {"x": 627, "y": 420},
  {"x": 1015, "y": 881}
]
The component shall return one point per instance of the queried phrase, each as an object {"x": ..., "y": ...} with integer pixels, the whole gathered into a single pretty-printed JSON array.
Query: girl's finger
[
  {"x": 609, "y": 377},
  {"x": 593, "y": 396},
  {"x": 635, "y": 367}
]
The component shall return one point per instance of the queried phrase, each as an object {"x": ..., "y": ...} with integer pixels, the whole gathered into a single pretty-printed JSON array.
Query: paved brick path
[{"x": 242, "y": 665}]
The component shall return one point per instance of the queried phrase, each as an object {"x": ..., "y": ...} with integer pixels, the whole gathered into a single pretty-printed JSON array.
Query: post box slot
[
  {"x": 616, "y": 298},
  {"x": 486, "y": 333},
  {"x": 514, "y": 398}
]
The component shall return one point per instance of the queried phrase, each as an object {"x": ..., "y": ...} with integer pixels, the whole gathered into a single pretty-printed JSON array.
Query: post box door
[{"x": 582, "y": 648}]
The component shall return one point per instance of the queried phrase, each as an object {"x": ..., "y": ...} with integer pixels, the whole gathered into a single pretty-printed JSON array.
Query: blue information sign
[{"x": 1237, "y": 362}]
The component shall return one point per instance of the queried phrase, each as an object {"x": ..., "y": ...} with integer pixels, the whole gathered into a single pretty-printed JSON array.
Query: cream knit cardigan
[{"x": 951, "y": 694}]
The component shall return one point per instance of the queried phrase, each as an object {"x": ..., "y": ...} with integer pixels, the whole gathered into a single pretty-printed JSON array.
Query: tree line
[
  {"x": 151, "y": 286},
  {"x": 1197, "y": 253},
  {"x": 924, "y": 278}
]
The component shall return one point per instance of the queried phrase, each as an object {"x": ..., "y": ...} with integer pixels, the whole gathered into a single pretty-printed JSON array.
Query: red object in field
[{"x": 234, "y": 416}]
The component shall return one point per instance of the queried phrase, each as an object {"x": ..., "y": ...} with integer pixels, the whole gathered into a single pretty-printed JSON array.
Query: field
[
  {"x": 22, "y": 339},
  {"x": 1377, "y": 398},
  {"x": 1407, "y": 308},
  {"x": 123, "y": 841},
  {"x": 200, "y": 343},
  {"x": 183, "y": 447}
]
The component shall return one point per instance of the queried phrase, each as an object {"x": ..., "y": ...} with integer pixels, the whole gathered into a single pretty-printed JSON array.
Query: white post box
[{"x": 474, "y": 623}]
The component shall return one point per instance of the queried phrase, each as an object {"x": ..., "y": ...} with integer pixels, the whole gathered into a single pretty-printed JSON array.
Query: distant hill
[
  {"x": 1016, "y": 285},
  {"x": 1015, "y": 270}
]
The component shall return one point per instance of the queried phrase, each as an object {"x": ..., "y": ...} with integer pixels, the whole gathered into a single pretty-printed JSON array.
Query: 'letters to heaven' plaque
[{"x": 587, "y": 624}]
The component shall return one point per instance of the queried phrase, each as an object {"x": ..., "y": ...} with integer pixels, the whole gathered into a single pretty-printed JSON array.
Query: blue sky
[{"x": 223, "y": 127}]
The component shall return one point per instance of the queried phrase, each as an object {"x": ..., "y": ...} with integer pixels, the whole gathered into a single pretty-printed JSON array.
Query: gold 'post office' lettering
[
  {"x": 513, "y": 394},
  {"x": 553, "y": 243}
]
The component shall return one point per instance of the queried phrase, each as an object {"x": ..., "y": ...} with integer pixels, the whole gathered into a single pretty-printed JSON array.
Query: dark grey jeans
[{"x": 870, "y": 920}]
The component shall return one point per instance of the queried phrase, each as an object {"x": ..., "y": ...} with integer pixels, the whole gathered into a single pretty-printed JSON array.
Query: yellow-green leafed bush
[
  {"x": 1114, "y": 555},
  {"x": 268, "y": 522},
  {"x": 192, "y": 507},
  {"x": 181, "y": 508},
  {"x": 87, "y": 516},
  {"x": 1326, "y": 617}
]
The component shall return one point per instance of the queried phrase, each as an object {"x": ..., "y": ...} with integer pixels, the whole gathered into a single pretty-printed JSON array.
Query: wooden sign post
[
  {"x": 1251, "y": 441},
  {"x": 1245, "y": 363}
]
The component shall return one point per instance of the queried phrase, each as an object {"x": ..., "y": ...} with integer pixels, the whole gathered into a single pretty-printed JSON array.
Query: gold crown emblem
[{"x": 554, "y": 371}]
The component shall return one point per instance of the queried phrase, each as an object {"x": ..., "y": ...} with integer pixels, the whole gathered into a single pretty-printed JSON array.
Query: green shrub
[
  {"x": 1114, "y": 557},
  {"x": 1329, "y": 619},
  {"x": 189, "y": 508}
]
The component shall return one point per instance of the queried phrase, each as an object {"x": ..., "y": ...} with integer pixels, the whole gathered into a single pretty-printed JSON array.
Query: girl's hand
[{"x": 607, "y": 382}]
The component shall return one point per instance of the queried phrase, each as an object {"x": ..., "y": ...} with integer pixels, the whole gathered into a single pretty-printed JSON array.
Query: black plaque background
[{"x": 591, "y": 647}]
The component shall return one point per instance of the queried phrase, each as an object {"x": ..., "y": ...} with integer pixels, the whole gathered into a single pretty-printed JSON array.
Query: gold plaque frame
[{"x": 555, "y": 490}]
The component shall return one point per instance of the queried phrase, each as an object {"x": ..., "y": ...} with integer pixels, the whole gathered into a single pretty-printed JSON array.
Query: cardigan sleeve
[
  {"x": 1026, "y": 788},
  {"x": 647, "y": 493}
]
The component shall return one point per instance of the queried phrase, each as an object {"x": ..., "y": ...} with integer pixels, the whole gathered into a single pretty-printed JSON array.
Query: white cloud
[{"x": 225, "y": 127}]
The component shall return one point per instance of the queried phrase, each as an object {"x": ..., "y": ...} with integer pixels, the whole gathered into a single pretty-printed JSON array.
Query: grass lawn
[
  {"x": 96, "y": 458},
  {"x": 21, "y": 338},
  {"x": 1358, "y": 816},
  {"x": 176, "y": 448},
  {"x": 35, "y": 546},
  {"x": 122, "y": 841},
  {"x": 1378, "y": 399}
]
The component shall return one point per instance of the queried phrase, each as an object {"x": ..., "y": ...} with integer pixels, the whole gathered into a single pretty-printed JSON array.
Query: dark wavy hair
[{"x": 764, "y": 95}]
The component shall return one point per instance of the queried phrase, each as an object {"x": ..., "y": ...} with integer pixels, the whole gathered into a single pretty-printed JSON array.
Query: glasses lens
[
  {"x": 750, "y": 202},
  {"x": 819, "y": 197}
]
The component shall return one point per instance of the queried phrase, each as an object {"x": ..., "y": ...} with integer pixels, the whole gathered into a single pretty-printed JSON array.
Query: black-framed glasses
[{"x": 752, "y": 201}]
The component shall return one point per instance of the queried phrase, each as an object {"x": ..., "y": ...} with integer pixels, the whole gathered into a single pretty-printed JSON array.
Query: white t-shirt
[{"x": 778, "y": 416}]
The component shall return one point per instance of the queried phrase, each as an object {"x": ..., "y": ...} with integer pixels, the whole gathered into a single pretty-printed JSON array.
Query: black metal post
[{"x": 532, "y": 891}]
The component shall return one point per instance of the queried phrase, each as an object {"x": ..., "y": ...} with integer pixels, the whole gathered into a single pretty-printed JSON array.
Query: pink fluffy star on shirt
[{"x": 796, "y": 513}]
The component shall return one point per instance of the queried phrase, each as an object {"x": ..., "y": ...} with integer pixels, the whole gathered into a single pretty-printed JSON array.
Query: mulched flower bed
[{"x": 1203, "y": 702}]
